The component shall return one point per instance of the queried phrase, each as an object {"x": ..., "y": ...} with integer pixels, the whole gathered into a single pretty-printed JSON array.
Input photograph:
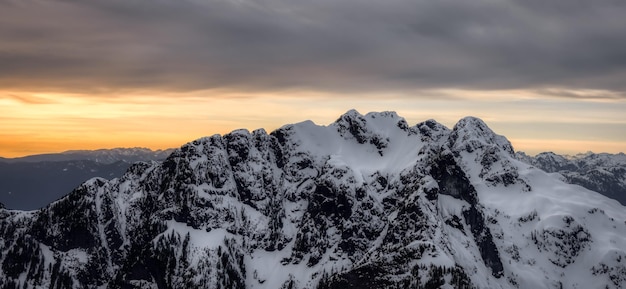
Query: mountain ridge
[
  {"x": 601, "y": 172},
  {"x": 365, "y": 202}
]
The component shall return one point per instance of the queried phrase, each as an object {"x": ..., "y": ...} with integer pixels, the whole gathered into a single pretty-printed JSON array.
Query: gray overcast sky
[{"x": 322, "y": 45}]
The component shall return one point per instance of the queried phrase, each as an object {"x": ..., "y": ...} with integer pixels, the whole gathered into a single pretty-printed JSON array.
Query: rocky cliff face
[{"x": 366, "y": 202}]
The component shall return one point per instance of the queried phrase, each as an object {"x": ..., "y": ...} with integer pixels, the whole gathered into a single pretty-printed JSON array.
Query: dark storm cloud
[{"x": 350, "y": 45}]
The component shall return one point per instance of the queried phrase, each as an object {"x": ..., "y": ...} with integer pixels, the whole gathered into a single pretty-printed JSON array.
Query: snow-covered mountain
[
  {"x": 365, "y": 202},
  {"x": 604, "y": 173},
  {"x": 32, "y": 182}
]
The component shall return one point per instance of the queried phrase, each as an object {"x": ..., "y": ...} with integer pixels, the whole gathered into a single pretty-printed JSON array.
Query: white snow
[{"x": 523, "y": 217}]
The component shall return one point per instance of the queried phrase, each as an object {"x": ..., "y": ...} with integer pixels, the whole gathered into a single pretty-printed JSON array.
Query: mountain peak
[
  {"x": 383, "y": 114},
  {"x": 377, "y": 129},
  {"x": 352, "y": 123},
  {"x": 351, "y": 113},
  {"x": 471, "y": 133},
  {"x": 475, "y": 125},
  {"x": 431, "y": 130}
]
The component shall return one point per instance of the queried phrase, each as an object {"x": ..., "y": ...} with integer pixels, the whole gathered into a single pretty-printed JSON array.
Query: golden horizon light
[{"x": 36, "y": 123}]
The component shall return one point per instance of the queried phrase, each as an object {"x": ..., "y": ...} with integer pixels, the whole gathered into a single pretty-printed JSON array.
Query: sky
[{"x": 549, "y": 75}]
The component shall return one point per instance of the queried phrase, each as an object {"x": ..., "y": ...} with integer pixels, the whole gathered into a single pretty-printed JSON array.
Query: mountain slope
[
  {"x": 366, "y": 202},
  {"x": 604, "y": 173}
]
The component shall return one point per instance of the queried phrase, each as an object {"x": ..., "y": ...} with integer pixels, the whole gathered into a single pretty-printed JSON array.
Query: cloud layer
[{"x": 322, "y": 45}]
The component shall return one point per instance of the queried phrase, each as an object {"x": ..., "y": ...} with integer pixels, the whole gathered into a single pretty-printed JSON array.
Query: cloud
[
  {"x": 584, "y": 94},
  {"x": 28, "y": 99},
  {"x": 333, "y": 46}
]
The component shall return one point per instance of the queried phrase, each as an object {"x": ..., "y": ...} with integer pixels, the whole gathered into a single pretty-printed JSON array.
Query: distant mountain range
[
  {"x": 101, "y": 156},
  {"x": 31, "y": 182},
  {"x": 604, "y": 173}
]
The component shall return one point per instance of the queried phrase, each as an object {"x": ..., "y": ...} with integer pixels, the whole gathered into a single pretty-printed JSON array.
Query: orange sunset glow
[{"x": 42, "y": 123}]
